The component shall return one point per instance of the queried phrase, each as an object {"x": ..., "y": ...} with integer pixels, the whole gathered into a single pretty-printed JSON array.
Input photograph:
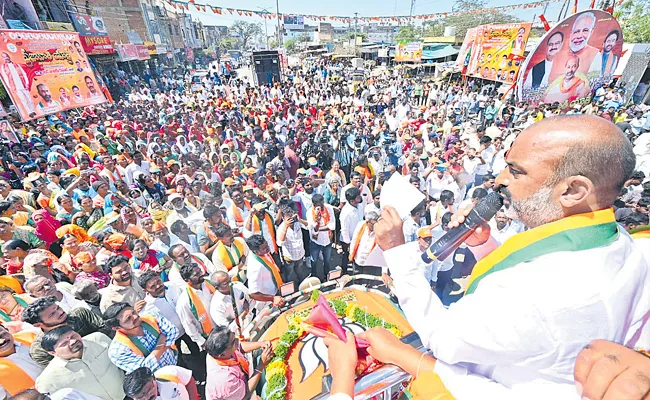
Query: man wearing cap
[{"x": 180, "y": 210}]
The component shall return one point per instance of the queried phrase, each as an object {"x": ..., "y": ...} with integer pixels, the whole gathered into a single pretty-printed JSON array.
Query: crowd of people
[{"x": 138, "y": 237}]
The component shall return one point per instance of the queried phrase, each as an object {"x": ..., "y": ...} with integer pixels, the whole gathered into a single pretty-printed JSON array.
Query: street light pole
[
  {"x": 355, "y": 33},
  {"x": 277, "y": 11},
  {"x": 266, "y": 27}
]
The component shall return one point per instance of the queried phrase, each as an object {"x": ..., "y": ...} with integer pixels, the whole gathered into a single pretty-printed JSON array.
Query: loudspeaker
[{"x": 266, "y": 65}]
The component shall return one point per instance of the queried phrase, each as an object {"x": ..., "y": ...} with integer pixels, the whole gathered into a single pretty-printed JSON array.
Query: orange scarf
[
  {"x": 323, "y": 213},
  {"x": 237, "y": 213},
  {"x": 357, "y": 242},
  {"x": 14, "y": 378},
  {"x": 198, "y": 308},
  {"x": 268, "y": 262},
  {"x": 257, "y": 228},
  {"x": 239, "y": 360}
]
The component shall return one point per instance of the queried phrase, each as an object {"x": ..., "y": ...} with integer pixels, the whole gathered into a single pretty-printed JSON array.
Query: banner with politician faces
[{"x": 573, "y": 59}]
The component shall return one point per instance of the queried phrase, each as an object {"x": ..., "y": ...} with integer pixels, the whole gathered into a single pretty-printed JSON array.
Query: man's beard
[{"x": 538, "y": 209}]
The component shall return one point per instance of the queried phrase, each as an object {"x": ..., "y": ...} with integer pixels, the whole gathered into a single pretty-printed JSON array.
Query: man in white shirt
[
  {"x": 290, "y": 239},
  {"x": 357, "y": 181},
  {"x": 436, "y": 179},
  {"x": 350, "y": 216},
  {"x": 321, "y": 222},
  {"x": 503, "y": 228},
  {"x": 363, "y": 242},
  {"x": 221, "y": 307},
  {"x": 264, "y": 280},
  {"x": 40, "y": 286},
  {"x": 509, "y": 328},
  {"x": 487, "y": 183},
  {"x": 194, "y": 304},
  {"x": 162, "y": 299},
  {"x": 137, "y": 166},
  {"x": 470, "y": 162}
]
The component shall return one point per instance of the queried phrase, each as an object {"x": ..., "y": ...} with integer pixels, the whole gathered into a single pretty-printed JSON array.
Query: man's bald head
[{"x": 589, "y": 146}]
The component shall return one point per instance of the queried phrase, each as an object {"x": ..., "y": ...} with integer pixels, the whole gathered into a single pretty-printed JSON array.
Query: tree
[
  {"x": 350, "y": 35},
  {"x": 466, "y": 21},
  {"x": 246, "y": 31},
  {"x": 408, "y": 33},
  {"x": 303, "y": 38},
  {"x": 226, "y": 43},
  {"x": 634, "y": 17},
  {"x": 290, "y": 45}
]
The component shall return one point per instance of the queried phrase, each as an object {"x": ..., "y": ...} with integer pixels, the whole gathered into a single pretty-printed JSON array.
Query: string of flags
[{"x": 343, "y": 19}]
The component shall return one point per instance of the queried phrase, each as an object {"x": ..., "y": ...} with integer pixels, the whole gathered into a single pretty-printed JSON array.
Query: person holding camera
[{"x": 290, "y": 240}]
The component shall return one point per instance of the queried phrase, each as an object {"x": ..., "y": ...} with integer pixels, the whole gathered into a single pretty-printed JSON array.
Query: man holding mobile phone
[{"x": 290, "y": 239}]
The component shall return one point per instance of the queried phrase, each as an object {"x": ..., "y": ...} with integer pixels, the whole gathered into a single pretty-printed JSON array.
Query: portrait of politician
[
  {"x": 573, "y": 85},
  {"x": 539, "y": 74},
  {"x": 590, "y": 56},
  {"x": 609, "y": 59}
]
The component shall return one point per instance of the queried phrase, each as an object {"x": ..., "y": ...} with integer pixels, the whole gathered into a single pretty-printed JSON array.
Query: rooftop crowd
[{"x": 137, "y": 237}]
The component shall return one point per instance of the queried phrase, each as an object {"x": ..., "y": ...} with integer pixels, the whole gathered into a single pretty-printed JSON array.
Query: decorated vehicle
[{"x": 300, "y": 367}]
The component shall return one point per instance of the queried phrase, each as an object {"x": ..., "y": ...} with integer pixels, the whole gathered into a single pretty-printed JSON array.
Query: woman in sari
[
  {"x": 145, "y": 259},
  {"x": 88, "y": 215},
  {"x": 66, "y": 209},
  {"x": 46, "y": 226},
  {"x": 46, "y": 197},
  {"x": 8, "y": 230},
  {"x": 336, "y": 172},
  {"x": 72, "y": 247},
  {"x": 132, "y": 222},
  {"x": 14, "y": 252},
  {"x": 11, "y": 305},
  {"x": 90, "y": 271}
]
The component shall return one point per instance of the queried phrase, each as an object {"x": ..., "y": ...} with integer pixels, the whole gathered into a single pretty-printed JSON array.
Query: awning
[{"x": 440, "y": 53}]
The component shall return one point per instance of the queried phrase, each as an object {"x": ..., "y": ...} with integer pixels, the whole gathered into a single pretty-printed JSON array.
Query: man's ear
[{"x": 577, "y": 189}]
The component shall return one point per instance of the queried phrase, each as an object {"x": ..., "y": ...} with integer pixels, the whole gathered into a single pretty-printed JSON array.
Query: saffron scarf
[
  {"x": 268, "y": 263},
  {"x": 575, "y": 233},
  {"x": 257, "y": 227},
  {"x": 14, "y": 378},
  {"x": 237, "y": 213},
  {"x": 198, "y": 308},
  {"x": 323, "y": 213},
  {"x": 357, "y": 242},
  {"x": 149, "y": 324},
  {"x": 228, "y": 259},
  {"x": 239, "y": 361}
]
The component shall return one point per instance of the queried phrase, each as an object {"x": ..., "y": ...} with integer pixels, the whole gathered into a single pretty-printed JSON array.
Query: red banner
[
  {"x": 94, "y": 45},
  {"x": 143, "y": 52},
  {"x": 127, "y": 52}
]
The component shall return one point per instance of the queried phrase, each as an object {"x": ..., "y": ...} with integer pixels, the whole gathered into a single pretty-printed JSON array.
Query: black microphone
[{"x": 480, "y": 214}]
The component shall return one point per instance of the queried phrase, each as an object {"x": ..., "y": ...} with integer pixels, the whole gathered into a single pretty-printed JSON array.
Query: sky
[{"x": 363, "y": 7}]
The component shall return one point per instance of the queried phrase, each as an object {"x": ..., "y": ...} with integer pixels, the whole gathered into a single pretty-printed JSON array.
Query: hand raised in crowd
[
  {"x": 610, "y": 371},
  {"x": 139, "y": 305}
]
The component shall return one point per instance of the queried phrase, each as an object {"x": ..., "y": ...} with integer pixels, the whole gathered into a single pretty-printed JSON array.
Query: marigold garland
[{"x": 276, "y": 371}]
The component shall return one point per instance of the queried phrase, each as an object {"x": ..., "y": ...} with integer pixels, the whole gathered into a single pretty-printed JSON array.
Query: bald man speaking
[{"x": 534, "y": 301}]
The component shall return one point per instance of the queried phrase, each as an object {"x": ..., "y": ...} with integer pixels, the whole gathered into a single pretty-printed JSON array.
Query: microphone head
[{"x": 488, "y": 206}]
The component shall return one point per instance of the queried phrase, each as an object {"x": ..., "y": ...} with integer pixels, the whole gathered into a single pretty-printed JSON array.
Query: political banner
[
  {"x": 143, "y": 52},
  {"x": 409, "y": 51},
  {"x": 498, "y": 51},
  {"x": 46, "y": 72},
  {"x": 293, "y": 21},
  {"x": 465, "y": 53},
  {"x": 573, "y": 59},
  {"x": 127, "y": 52},
  {"x": 88, "y": 25}
]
